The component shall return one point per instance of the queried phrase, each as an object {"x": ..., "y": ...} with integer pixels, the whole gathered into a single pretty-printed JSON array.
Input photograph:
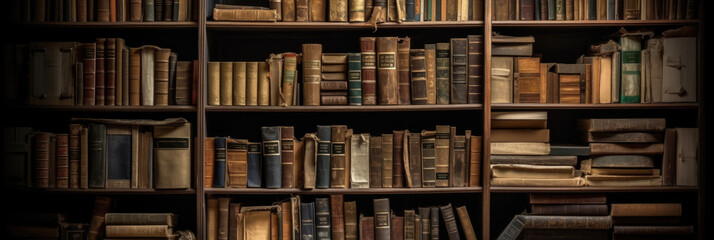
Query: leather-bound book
[
  {"x": 287, "y": 10},
  {"x": 110, "y": 54},
  {"x": 209, "y": 150},
  {"x": 271, "y": 157},
  {"x": 669, "y": 157},
  {"x": 621, "y": 125},
  {"x": 569, "y": 88},
  {"x": 337, "y": 216},
  {"x": 238, "y": 83},
  {"x": 245, "y": 14},
  {"x": 459, "y": 71},
  {"x": 103, "y": 12},
  {"x": 502, "y": 80},
  {"x": 424, "y": 215},
  {"x": 322, "y": 218},
  {"x": 646, "y": 209},
  {"x": 526, "y": 83},
  {"x": 418, "y": 77},
  {"x": 96, "y": 227},
  {"x": 172, "y": 156},
  {"x": 434, "y": 221},
  {"x": 458, "y": 162},
  {"x": 391, "y": 11},
  {"x": 366, "y": 227},
  {"x": 223, "y": 217},
  {"x": 570, "y": 210},
  {"x": 475, "y": 69},
  {"x": 251, "y": 83},
  {"x": 428, "y": 156},
  {"x": 148, "y": 10},
  {"x": 289, "y": 76},
  {"x": 387, "y": 160},
  {"x": 398, "y": 159},
  {"x": 430, "y": 61},
  {"x": 317, "y": 10},
  {"x": 89, "y": 73},
  {"x": 322, "y": 166},
  {"x": 212, "y": 218},
  {"x": 311, "y": 142},
  {"x": 475, "y": 161},
  {"x": 97, "y": 155},
  {"x": 334, "y": 86},
  {"x": 443, "y": 66},
  {"x": 415, "y": 159},
  {"x": 277, "y": 5},
  {"x": 134, "y": 76},
  {"x": 235, "y": 221},
  {"x": 255, "y": 160},
  {"x": 397, "y": 227},
  {"x": 527, "y": 10},
  {"x": 379, "y": 12},
  {"x": 338, "y": 10},
  {"x": 387, "y": 90},
  {"x": 409, "y": 227},
  {"x": 623, "y": 161},
  {"x": 285, "y": 230},
  {"x": 403, "y": 46},
  {"x": 357, "y": 10},
  {"x": 168, "y": 10},
  {"x": 295, "y": 218},
  {"x": 442, "y": 143},
  {"x": 183, "y": 82},
  {"x": 287, "y": 155},
  {"x": 219, "y": 166},
  {"x": 302, "y": 11},
  {"x": 236, "y": 163},
  {"x": 74, "y": 146},
  {"x": 161, "y": 78},
  {"x": 145, "y": 160},
  {"x": 382, "y": 219},
  {"x": 135, "y": 10},
  {"x": 354, "y": 76},
  {"x": 299, "y": 165},
  {"x": 625, "y": 148},
  {"x": 159, "y": 10},
  {"x": 375, "y": 162},
  {"x": 122, "y": 74},
  {"x": 360, "y": 161},
  {"x": 307, "y": 221},
  {"x": 62, "y": 161},
  {"x": 687, "y": 152},
  {"x": 622, "y": 137},
  {"x": 118, "y": 156},
  {"x": 500, "y": 10},
  {"x": 338, "y": 159},
  {"x": 368, "y": 7},
  {"x": 369, "y": 70},
  {"x": 41, "y": 159},
  {"x": 466, "y": 223},
  {"x": 100, "y": 75},
  {"x": 350, "y": 220},
  {"x": 450, "y": 221},
  {"x": 583, "y": 199}
]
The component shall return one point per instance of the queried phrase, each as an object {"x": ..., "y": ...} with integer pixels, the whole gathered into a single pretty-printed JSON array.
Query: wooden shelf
[
  {"x": 623, "y": 106},
  {"x": 364, "y": 108},
  {"x": 173, "y": 108},
  {"x": 110, "y": 25},
  {"x": 108, "y": 191},
  {"x": 594, "y": 23},
  {"x": 593, "y": 189},
  {"x": 268, "y": 26},
  {"x": 362, "y": 191}
]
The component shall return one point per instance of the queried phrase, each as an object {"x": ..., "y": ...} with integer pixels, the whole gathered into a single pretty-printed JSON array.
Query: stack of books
[
  {"x": 649, "y": 221},
  {"x": 568, "y": 208},
  {"x": 333, "y": 85},
  {"x": 140, "y": 225}
]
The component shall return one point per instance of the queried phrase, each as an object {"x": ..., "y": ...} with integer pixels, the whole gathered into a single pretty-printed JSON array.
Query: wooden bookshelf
[
  {"x": 59, "y": 191},
  {"x": 127, "y": 109},
  {"x": 357, "y": 191},
  {"x": 595, "y": 23},
  {"x": 364, "y": 108},
  {"x": 669, "y": 189},
  {"x": 614, "y": 106},
  {"x": 328, "y": 26},
  {"x": 112, "y": 25}
]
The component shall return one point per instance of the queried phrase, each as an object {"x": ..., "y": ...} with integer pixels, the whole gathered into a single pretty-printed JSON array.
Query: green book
[
  {"x": 631, "y": 62},
  {"x": 443, "y": 66},
  {"x": 354, "y": 78}
]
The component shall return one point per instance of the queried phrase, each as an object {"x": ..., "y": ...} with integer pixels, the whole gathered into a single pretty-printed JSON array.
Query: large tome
[
  {"x": 403, "y": 46},
  {"x": 430, "y": 61},
  {"x": 458, "y": 162},
  {"x": 527, "y": 81},
  {"x": 255, "y": 161},
  {"x": 442, "y": 143},
  {"x": 307, "y": 221},
  {"x": 630, "y": 68},
  {"x": 287, "y": 145},
  {"x": 226, "y": 83},
  {"x": 398, "y": 159},
  {"x": 387, "y": 160},
  {"x": 466, "y": 223},
  {"x": 287, "y": 10},
  {"x": 172, "y": 156},
  {"x": 219, "y": 166},
  {"x": 369, "y": 70},
  {"x": 387, "y": 70},
  {"x": 459, "y": 53},
  {"x": 161, "y": 78},
  {"x": 237, "y": 84},
  {"x": 502, "y": 79},
  {"x": 337, "y": 216},
  {"x": 351, "y": 229},
  {"x": 322, "y": 218},
  {"x": 434, "y": 221},
  {"x": 317, "y": 10},
  {"x": 110, "y": 58},
  {"x": 357, "y": 10},
  {"x": 322, "y": 166},
  {"x": 418, "y": 77},
  {"x": 236, "y": 163},
  {"x": 475, "y": 69},
  {"x": 311, "y": 67},
  {"x": 382, "y": 219},
  {"x": 360, "y": 161},
  {"x": 443, "y": 67},
  {"x": 375, "y": 162},
  {"x": 209, "y": 148},
  {"x": 62, "y": 161},
  {"x": 338, "y": 10},
  {"x": 450, "y": 220},
  {"x": 271, "y": 156},
  {"x": 89, "y": 73},
  {"x": 428, "y": 156},
  {"x": 415, "y": 159},
  {"x": 475, "y": 161},
  {"x": 100, "y": 76},
  {"x": 354, "y": 77},
  {"x": 337, "y": 156},
  {"x": 119, "y": 141},
  {"x": 289, "y": 77},
  {"x": 97, "y": 157},
  {"x": 147, "y": 75},
  {"x": 302, "y": 11},
  {"x": 41, "y": 159}
]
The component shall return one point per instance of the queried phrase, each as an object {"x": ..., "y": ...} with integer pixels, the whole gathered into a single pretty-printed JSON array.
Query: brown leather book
[
  {"x": 251, "y": 83},
  {"x": 338, "y": 98},
  {"x": 223, "y": 213},
  {"x": 234, "y": 223},
  {"x": 621, "y": 125},
  {"x": 430, "y": 60},
  {"x": 103, "y": 12},
  {"x": 122, "y": 77},
  {"x": 553, "y": 198},
  {"x": 368, "y": 7},
  {"x": 410, "y": 220},
  {"x": 382, "y": 219},
  {"x": 286, "y": 218},
  {"x": 134, "y": 76},
  {"x": 387, "y": 160},
  {"x": 428, "y": 156},
  {"x": 669, "y": 158},
  {"x": 302, "y": 11},
  {"x": 527, "y": 9},
  {"x": 161, "y": 80},
  {"x": 569, "y": 91},
  {"x": 387, "y": 89},
  {"x": 348, "y": 157},
  {"x": 475, "y": 161},
  {"x": 458, "y": 162},
  {"x": 135, "y": 11},
  {"x": 110, "y": 52},
  {"x": 520, "y": 135},
  {"x": 466, "y": 225},
  {"x": 245, "y": 15},
  {"x": 338, "y": 10},
  {"x": 351, "y": 228},
  {"x": 75, "y": 132},
  {"x": 652, "y": 231},
  {"x": 369, "y": 70},
  {"x": 289, "y": 78},
  {"x": 209, "y": 146},
  {"x": 442, "y": 143},
  {"x": 452, "y": 229},
  {"x": 337, "y": 216},
  {"x": 299, "y": 165},
  {"x": 212, "y": 218},
  {"x": 183, "y": 82},
  {"x": 333, "y": 85},
  {"x": 418, "y": 76},
  {"x": 375, "y": 162},
  {"x": 526, "y": 83},
  {"x": 626, "y": 148},
  {"x": 334, "y": 68},
  {"x": 101, "y": 207},
  {"x": 338, "y": 157},
  {"x": 397, "y": 225},
  {"x": 367, "y": 227},
  {"x": 310, "y": 141},
  {"x": 357, "y": 10},
  {"x": 398, "y": 159},
  {"x": 89, "y": 73},
  {"x": 100, "y": 76},
  {"x": 415, "y": 160},
  {"x": 62, "y": 158},
  {"x": 339, "y": 76},
  {"x": 317, "y": 10},
  {"x": 570, "y": 209},
  {"x": 287, "y": 155},
  {"x": 646, "y": 209},
  {"x": 287, "y": 10},
  {"x": 237, "y": 163},
  {"x": 475, "y": 69},
  {"x": 263, "y": 88},
  {"x": 622, "y": 137},
  {"x": 459, "y": 70},
  {"x": 311, "y": 67},
  {"x": 41, "y": 159},
  {"x": 403, "y": 47},
  {"x": 500, "y": 10}
]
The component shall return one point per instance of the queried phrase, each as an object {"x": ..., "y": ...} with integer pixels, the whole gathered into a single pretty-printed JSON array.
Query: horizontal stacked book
[
  {"x": 105, "y": 10},
  {"x": 101, "y": 73},
  {"x": 104, "y": 154},
  {"x": 336, "y": 157},
  {"x": 332, "y": 218},
  {"x": 580, "y": 10},
  {"x": 649, "y": 221},
  {"x": 140, "y": 225}
]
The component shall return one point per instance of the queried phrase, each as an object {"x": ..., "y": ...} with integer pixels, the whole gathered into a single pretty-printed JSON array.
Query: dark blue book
[
  {"x": 97, "y": 161},
  {"x": 272, "y": 163},
  {"x": 219, "y": 166},
  {"x": 592, "y": 14},
  {"x": 551, "y": 9},
  {"x": 322, "y": 218},
  {"x": 569, "y": 150},
  {"x": 322, "y": 178},
  {"x": 307, "y": 221},
  {"x": 611, "y": 10},
  {"x": 536, "y": 10},
  {"x": 118, "y": 156},
  {"x": 255, "y": 160},
  {"x": 354, "y": 77},
  {"x": 411, "y": 11}
]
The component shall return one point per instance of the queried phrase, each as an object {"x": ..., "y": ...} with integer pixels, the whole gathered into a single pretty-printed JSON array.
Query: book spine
[
  {"x": 84, "y": 158},
  {"x": 287, "y": 10},
  {"x": 322, "y": 178},
  {"x": 307, "y": 221},
  {"x": 337, "y": 216},
  {"x": 337, "y": 157},
  {"x": 475, "y": 161},
  {"x": 89, "y": 73},
  {"x": 110, "y": 71},
  {"x": 168, "y": 10},
  {"x": 338, "y": 10},
  {"x": 286, "y": 221},
  {"x": 459, "y": 72},
  {"x": 387, "y": 160},
  {"x": 209, "y": 150},
  {"x": 219, "y": 174},
  {"x": 415, "y": 159},
  {"x": 271, "y": 157},
  {"x": 322, "y": 218},
  {"x": 570, "y": 210},
  {"x": 276, "y": 68},
  {"x": 289, "y": 76},
  {"x": 382, "y": 219},
  {"x": 369, "y": 70},
  {"x": 172, "y": 156},
  {"x": 465, "y": 220},
  {"x": 669, "y": 158},
  {"x": 134, "y": 77},
  {"x": 41, "y": 159},
  {"x": 74, "y": 154},
  {"x": 513, "y": 229},
  {"x": 359, "y": 161},
  {"x": 424, "y": 215},
  {"x": 287, "y": 152},
  {"x": 357, "y": 10},
  {"x": 251, "y": 83},
  {"x": 564, "y": 222},
  {"x": 302, "y": 11},
  {"x": 443, "y": 65},
  {"x": 434, "y": 221},
  {"x": 375, "y": 162},
  {"x": 236, "y": 162},
  {"x": 630, "y": 69},
  {"x": 418, "y": 76},
  {"x": 398, "y": 159},
  {"x": 148, "y": 10},
  {"x": 387, "y": 79},
  {"x": 226, "y": 83},
  {"x": 450, "y": 221},
  {"x": 254, "y": 164},
  {"x": 442, "y": 143},
  {"x": 351, "y": 228},
  {"x": 277, "y": 6},
  {"x": 159, "y": 10},
  {"x": 97, "y": 161},
  {"x": 475, "y": 69},
  {"x": 430, "y": 59},
  {"x": 161, "y": 77},
  {"x": 183, "y": 83},
  {"x": 458, "y": 162},
  {"x": 100, "y": 76},
  {"x": 403, "y": 46},
  {"x": 428, "y": 153},
  {"x": 354, "y": 77},
  {"x": 140, "y": 219}
]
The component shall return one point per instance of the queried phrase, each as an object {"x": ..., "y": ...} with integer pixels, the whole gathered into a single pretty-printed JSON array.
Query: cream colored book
[
  {"x": 524, "y": 182},
  {"x": 520, "y": 148},
  {"x": 531, "y": 171},
  {"x": 622, "y": 180}
]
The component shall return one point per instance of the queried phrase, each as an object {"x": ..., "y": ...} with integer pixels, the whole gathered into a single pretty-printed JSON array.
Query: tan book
[
  {"x": 338, "y": 10},
  {"x": 528, "y": 182},
  {"x": 569, "y": 91},
  {"x": 239, "y": 83},
  {"x": 403, "y": 74},
  {"x": 257, "y": 225},
  {"x": 646, "y": 209},
  {"x": 311, "y": 65},
  {"x": 605, "y": 90},
  {"x": 430, "y": 58},
  {"x": 624, "y": 171},
  {"x": 442, "y": 146},
  {"x": 276, "y": 68},
  {"x": 147, "y": 74},
  {"x": 502, "y": 79},
  {"x": 475, "y": 161},
  {"x": 127, "y": 231},
  {"x": 387, "y": 161},
  {"x": 212, "y": 219},
  {"x": 226, "y": 86},
  {"x": 531, "y": 171},
  {"x": 172, "y": 156},
  {"x": 626, "y": 148},
  {"x": 119, "y": 76},
  {"x": 340, "y": 76},
  {"x": 214, "y": 83},
  {"x": 520, "y": 135},
  {"x": 622, "y": 181},
  {"x": 310, "y": 141},
  {"x": 519, "y": 148},
  {"x": 334, "y": 68},
  {"x": 465, "y": 223},
  {"x": 317, "y": 10},
  {"x": 288, "y": 10},
  {"x": 357, "y": 10},
  {"x": 251, "y": 83},
  {"x": 338, "y": 157},
  {"x": 245, "y": 15},
  {"x": 236, "y": 163},
  {"x": 526, "y": 84},
  {"x": 263, "y": 84},
  {"x": 223, "y": 216},
  {"x": 161, "y": 77},
  {"x": 134, "y": 76},
  {"x": 289, "y": 78}
]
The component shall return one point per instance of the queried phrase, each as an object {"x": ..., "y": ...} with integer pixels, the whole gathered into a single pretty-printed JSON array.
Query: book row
[
  {"x": 387, "y": 71},
  {"x": 335, "y": 157},
  {"x": 578, "y": 10},
  {"x": 587, "y": 216},
  {"x": 374, "y": 11},
  {"x": 635, "y": 67},
  {"x": 104, "y": 10},
  {"x": 102, "y": 154},
  {"x": 101, "y": 73},
  {"x": 331, "y": 218}
]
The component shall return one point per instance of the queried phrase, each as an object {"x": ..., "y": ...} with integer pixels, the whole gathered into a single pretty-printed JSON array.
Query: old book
[
  {"x": 653, "y": 231},
  {"x": 645, "y": 209},
  {"x": 322, "y": 218},
  {"x": 350, "y": 221},
  {"x": 219, "y": 165},
  {"x": 409, "y": 230},
  {"x": 623, "y": 161},
  {"x": 236, "y": 163},
  {"x": 236, "y": 85},
  {"x": 168, "y": 219},
  {"x": 569, "y": 71},
  {"x": 520, "y": 135},
  {"x": 679, "y": 83},
  {"x": 251, "y": 83},
  {"x": 502, "y": 79},
  {"x": 475, "y": 68},
  {"x": 295, "y": 218},
  {"x": 287, "y": 156},
  {"x": 623, "y": 180},
  {"x": 354, "y": 76},
  {"x": 257, "y": 224},
  {"x": 442, "y": 156},
  {"x": 387, "y": 79},
  {"x": 88, "y": 58},
  {"x": 415, "y": 159},
  {"x": 100, "y": 70},
  {"x": 337, "y": 217},
  {"x": 263, "y": 88},
  {"x": 367, "y": 226},
  {"x": 61, "y": 161},
  {"x": 289, "y": 76},
  {"x": 434, "y": 223},
  {"x": 424, "y": 216},
  {"x": 311, "y": 143},
  {"x": 418, "y": 77},
  {"x": 375, "y": 162},
  {"x": 134, "y": 68},
  {"x": 255, "y": 160},
  {"x": 312, "y": 55},
  {"x": 443, "y": 67},
  {"x": 622, "y": 137},
  {"x": 212, "y": 218},
  {"x": 529, "y": 182},
  {"x": 161, "y": 78},
  {"x": 226, "y": 83},
  {"x": 119, "y": 153},
  {"x": 512, "y": 46},
  {"x": 500, "y": 10},
  {"x": 223, "y": 216},
  {"x": 184, "y": 81},
  {"x": 129, "y": 231},
  {"x": 529, "y": 120},
  {"x": 302, "y": 11},
  {"x": 41, "y": 160},
  {"x": 630, "y": 69},
  {"x": 569, "y": 150},
  {"x": 245, "y": 15},
  {"x": 382, "y": 219},
  {"x": 519, "y": 148},
  {"x": 272, "y": 164},
  {"x": 338, "y": 10},
  {"x": 430, "y": 60},
  {"x": 397, "y": 231},
  {"x": 387, "y": 160},
  {"x": 624, "y": 171},
  {"x": 459, "y": 70},
  {"x": 527, "y": 81},
  {"x": 569, "y": 91},
  {"x": 97, "y": 159},
  {"x": 96, "y": 226},
  {"x": 159, "y": 9},
  {"x": 110, "y": 61},
  {"x": 615, "y": 77},
  {"x": 338, "y": 159},
  {"x": 626, "y": 148},
  {"x": 669, "y": 157},
  {"x": 428, "y": 153},
  {"x": 560, "y": 199},
  {"x": 403, "y": 67},
  {"x": 570, "y": 210},
  {"x": 474, "y": 169},
  {"x": 360, "y": 161},
  {"x": 450, "y": 221},
  {"x": 208, "y": 161},
  {"x": 687, "y": 157},
  {"x": 317, "y": 10},
  {"x": 622, "y": 125},
  {"x": 457, "y": 160},
  {"x": 148, "y": 75},
  {"x": 369, "y": 72},
  {"x": 357, "y": 11},
  {"x": 322, "y": 175},
  {"x": 398, "y": 158},
  {"x": 531, "y": 171},
  {"x": 172, "y": 156},
  {"x": 275, "y": 63},
  {"x": 145, "y": 160}
]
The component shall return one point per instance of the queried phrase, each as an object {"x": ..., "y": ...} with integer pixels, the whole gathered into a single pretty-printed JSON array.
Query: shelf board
[
  {"x": 593, "y": 189},
  {"x": 625, "y": 106},
  {"x": 57, "y": 191},
  {"x": 225, "y": 25},
  {"x": 364, "y": 108},
  {"x": 361, "y": 191},
  {"x": 594, "y": 23},
  {"x": 173, "y": 108},
  {"x": 110, "y": 25}
]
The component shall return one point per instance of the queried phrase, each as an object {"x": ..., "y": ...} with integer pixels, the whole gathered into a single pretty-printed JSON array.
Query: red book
[
  {"x": 62, "y": 165},
  {"x": 369, "y": 71}
]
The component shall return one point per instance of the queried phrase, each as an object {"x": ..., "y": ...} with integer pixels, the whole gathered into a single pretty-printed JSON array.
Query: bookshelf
[{"x": 206, "y": 41}]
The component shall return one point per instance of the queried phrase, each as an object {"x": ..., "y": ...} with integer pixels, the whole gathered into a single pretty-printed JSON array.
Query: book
[
  {"x": 502, "y": 79},
  {"x": 527, "y": 10},
  {"x": 622, "y": 137},
  {"x": 350, "y": 220},
  {"x": 61, "y": 158},
  {"x": 458, "y": 161},
  {"x": 623, "y": 161},
  {"x": 594, "y": 234},
  {"x": 415, "y": 159},
  {"x": 570, "y": 210},
  {"x": 369, "y": 72},
  {"x": 355, "y": 78},
  {"x": 338, "y": 158},
  {"x": 97, "y": 146},
  {"x": 512, "y": 46},
  {"x": 312, "y": 55},
  {"x": 235, "y": 87},
  {"x": 519, "y": 148},
  {"x": 569, "y": 150},
  {"x": 630, "y": 69},
  {"x": 621, "y": 125},
  {"x": 465, "y": 221},
  {"x": 375, "y": 162},
  {"x": 161, "y": 77},
  {"x": 679, "y": 83},
  {"x": 272, "y": 164},
  {"x": 569, "y": 88},
  {"x": 443, "y": 66},
  {"x": 397, "y": 225},
  {"x": 531, "y": 171},
  {"x": 219, "y": 166},
  {"x": 403, "y": 73},
  {"x": 459, "y": 71},
  {"x": 450, "y": 221},
  {"x": 322, "y": 218},
  {"x": 442, "y": 145},
  {"x": 183, "y": 82},
  {"x": 148, "y": 74},
  {"x": 223, "y": 216},
  {"x": 236, "y": 163},
  {"x": 337, "y": 216},
  {"x": 310, "y": 142},
  {"x": 520, "y": 135},
  {"x": 287, "y": 156},
  {"x": 560, "y": 199},
  {"x": 531, "y": 182},
  {"x": 430, "y": 60},
  {"x": 669, "y": 156},
  {"x": 382, "y": 219},
  {"x": 96, "y": 225},
  {"x": 257, "y": 224},
  {"x": 245, "y": 15},
  {"x": 168, "y": 219},
  {"x": 387, "y": 160},
  {"x": 623, "y": 180},
  {"x": 172, "y": 156},
  {"x": 624, "y": 171},
  {"x": 475, "y": 64},
  {"x": 398, "y": 159},
  {"x": 424, "y": 215},
  {"x": 110, "y": 71},
  {"x": 410, "y": 224},
  {"x": 434, "y": 221},
  {"x": 119, "y": 153},
  {"x": 418, "y": 77},
  {"x": 357, "y": 11},
  {"x": 626, "y": 148},
  {"x": 527, "y": 81},
  {"x": 653, "y": 231},
  {"x": 535, "y": 160},
  {"x": 645, "y": 209},
  {"x": 687, "y": 157},
  {"x": 428, "y": 153},
  {"x": 387, "y": 78}
]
